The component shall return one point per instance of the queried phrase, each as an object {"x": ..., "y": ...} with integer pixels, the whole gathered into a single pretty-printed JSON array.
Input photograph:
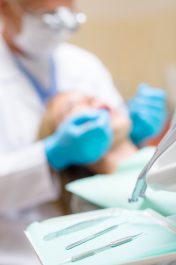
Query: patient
[{"x": 68, "y": 104}]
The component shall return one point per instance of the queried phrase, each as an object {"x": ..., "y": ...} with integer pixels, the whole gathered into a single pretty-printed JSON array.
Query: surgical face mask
[{"x": 41, "y": 34}]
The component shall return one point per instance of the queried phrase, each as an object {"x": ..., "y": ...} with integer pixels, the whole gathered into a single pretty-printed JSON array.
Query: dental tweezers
[{"x": 95, "y": 251}]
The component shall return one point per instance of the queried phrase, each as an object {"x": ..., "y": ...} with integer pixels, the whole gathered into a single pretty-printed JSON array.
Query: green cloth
[
  {"x": 115, "y": 189},
  {"x": 155, "y": 239}
]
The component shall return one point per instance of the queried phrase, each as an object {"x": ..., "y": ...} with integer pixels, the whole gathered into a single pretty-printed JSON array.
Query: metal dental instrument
[
  {"x": 95, "y": 251},
  {"x": 93, "y": 236},
  {"x": 77, "y": 227},
  {"x": 141, "y": 184}
]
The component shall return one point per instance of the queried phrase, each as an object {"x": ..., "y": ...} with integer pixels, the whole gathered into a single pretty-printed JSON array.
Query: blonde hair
[{"x": 47, "y": 128}]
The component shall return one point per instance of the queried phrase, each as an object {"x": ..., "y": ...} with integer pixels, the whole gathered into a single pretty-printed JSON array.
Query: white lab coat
[{"x": 25, "y": 179}]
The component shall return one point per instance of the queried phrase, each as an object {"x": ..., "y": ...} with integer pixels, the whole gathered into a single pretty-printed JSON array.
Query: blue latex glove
[
  {"x": 148, "y": 112},
  {"x": 80, "y": 140}
]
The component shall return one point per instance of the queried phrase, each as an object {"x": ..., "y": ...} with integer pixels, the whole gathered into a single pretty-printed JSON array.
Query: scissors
[{"x": 141, "y": 184}]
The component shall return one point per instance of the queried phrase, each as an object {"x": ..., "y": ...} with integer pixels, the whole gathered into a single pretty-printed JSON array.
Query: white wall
[
  {"x": 124, "y": 9},
  {"x": 136, "y": 39}
]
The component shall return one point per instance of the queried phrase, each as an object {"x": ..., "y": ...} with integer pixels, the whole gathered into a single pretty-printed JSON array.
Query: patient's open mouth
[
  {"x": 105, "y": 107},
  {"x": 111, "y": 110}
]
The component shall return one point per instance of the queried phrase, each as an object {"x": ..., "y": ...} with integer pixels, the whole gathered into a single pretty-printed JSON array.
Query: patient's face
[{"x": 68, "y": 104}]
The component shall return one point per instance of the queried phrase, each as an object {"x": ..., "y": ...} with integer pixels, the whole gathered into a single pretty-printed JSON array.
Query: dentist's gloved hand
[
  {"x": 148, "y": 112},
  {"x": 80, "y": 140}
]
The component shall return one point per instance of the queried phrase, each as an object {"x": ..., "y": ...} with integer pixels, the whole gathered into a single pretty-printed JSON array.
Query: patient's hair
[
  {"x": 73, "y": 172},
  {"x": 67, "y": 175}
]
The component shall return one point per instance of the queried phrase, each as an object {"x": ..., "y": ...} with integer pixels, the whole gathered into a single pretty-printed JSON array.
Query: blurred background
[{"x": 136, "y": 40}]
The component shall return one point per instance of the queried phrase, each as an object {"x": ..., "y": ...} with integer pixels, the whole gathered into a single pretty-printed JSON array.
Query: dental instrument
[
  {"x": 93, "y": 236},
  {"x": 95, "y": 251},
  {"x": 77, "y": 227}
]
